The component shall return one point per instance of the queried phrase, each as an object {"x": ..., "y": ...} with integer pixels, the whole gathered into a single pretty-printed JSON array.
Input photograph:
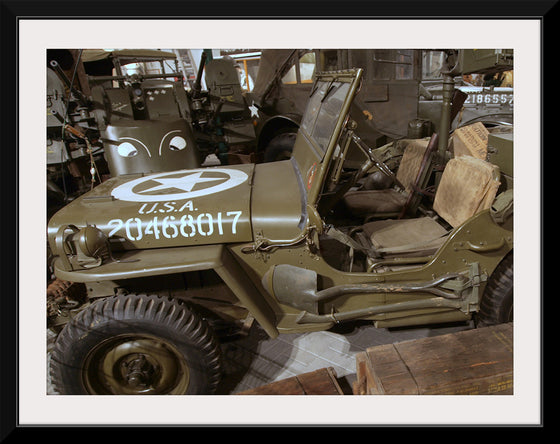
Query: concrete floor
[{"x": 256, "y": 360}]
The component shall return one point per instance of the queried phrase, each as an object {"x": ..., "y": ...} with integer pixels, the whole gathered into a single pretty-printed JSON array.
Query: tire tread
[
  {"x": 174, "y": 314},
  {"x": 499, "y": 290}
]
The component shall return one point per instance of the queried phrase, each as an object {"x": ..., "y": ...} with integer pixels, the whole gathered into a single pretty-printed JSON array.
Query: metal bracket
[
  {"x": 480, "y": 247},
  {"x": 476, "y": 279}
]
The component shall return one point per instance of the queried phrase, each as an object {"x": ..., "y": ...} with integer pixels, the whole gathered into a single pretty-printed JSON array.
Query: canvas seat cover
[
  {"x": 468, "y": 186},
  {"x": 410, "y": 237}
]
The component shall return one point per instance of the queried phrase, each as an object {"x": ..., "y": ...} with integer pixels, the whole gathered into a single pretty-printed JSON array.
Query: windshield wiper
[
  {"x": 329, "y": 89},
  {"x": 314, "y": 88}
]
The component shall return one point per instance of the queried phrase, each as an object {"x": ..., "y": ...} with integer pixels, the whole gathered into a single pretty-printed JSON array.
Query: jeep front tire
[{"x": 136, "y": 344}]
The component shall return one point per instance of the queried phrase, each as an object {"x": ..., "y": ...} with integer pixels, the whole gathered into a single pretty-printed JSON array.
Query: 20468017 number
[{"x": 170, "y": 227}]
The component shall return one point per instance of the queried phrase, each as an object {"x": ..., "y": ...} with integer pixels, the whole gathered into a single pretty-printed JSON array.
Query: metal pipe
[
  {"x": 81, "y": 98},
  {"x": 445, "y": 120},
  {"x": 197, "y": 87},
  {"x": 128, "y": 77},
  {"x": 428, "y": 287},
  {"x": 309, "y": 318},
  {"x": 399, "y": 261},
  {"x": 181, "y": 63}
]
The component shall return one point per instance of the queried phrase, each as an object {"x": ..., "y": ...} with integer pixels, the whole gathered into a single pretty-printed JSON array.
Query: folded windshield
[{"x": 323, "y": 110}]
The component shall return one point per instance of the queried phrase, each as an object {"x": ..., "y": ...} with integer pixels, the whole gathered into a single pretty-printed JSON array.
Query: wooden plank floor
[
  {"x": 476, "y": 362},
  {"x": 318, "y": 382}
]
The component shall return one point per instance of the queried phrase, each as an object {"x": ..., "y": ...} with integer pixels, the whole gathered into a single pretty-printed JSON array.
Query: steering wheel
[{"x": 372, "y": 156}]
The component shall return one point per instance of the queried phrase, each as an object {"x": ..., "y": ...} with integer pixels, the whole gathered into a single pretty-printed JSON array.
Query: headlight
[
  {"x": 92, "y": 242},
  {"x": 83, "y": 248}
]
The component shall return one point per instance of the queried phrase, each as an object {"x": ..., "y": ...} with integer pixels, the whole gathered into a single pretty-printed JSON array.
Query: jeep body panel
[
  {"x": 172, "y": 209},
  {"x": 277, "y": 205},
  {"x": 470, "y": 255}
]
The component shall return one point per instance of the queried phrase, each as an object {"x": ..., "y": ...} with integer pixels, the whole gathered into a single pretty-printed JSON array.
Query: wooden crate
[
  {"x": 471, "y": 362},
  {"x": 318, "y": 382}
]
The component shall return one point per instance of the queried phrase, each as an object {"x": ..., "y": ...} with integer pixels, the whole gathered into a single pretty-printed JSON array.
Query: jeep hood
[{"x": 179, "y": 208}]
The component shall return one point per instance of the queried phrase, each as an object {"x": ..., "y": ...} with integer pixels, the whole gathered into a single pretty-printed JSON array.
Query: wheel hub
[
  {"x": 138, "y": 372},
  {"x": 134, "y": 364}
]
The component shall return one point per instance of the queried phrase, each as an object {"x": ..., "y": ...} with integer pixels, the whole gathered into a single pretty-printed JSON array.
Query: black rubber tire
[
  {"x": 115, "y": 332},
  {"x": 496, "y": 305},
  {"x": 280, "y": 147}
]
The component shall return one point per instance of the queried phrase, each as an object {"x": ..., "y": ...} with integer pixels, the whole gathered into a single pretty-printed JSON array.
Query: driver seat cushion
[{"x": 391, "y": 200}]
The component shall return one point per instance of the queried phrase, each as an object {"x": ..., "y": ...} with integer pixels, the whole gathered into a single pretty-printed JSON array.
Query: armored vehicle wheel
[
  {"x": 136, "y": 344},
  {"x": 496, "y": 306},
  {"x": 280, "y": 147}
]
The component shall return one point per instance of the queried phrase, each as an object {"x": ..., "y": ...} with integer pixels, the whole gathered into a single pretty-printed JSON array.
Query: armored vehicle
[
  {"x": 165, "y": 256},
  {"x": 151, "y": 122},
  {"x": 141, "y": 109}
]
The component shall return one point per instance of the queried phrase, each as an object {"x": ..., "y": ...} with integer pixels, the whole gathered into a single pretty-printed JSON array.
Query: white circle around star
[{"x": 186, "y": 181}]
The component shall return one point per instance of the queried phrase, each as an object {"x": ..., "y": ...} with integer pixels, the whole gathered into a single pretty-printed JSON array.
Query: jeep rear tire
[
  {"x": 496, "y": 306},
  {"x": 136, "y": 344}
]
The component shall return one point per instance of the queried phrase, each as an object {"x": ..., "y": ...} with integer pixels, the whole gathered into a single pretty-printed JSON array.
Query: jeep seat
[
  {"x": 390, "y": 202},
  {"x": 468, "y": 186}
]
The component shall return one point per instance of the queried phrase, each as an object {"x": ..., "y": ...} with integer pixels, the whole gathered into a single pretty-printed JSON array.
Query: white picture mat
[{"x": 524, "y": 36}]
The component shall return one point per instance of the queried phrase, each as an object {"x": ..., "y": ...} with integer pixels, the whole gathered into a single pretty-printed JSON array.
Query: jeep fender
[{"x": 159, "y": 261}]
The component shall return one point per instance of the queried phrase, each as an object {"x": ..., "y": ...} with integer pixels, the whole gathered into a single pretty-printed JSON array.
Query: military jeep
[{"x": 166, "y": 256}]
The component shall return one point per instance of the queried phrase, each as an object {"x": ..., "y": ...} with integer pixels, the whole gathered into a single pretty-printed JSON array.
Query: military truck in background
[
  {"x": 401, "y": 93},
  {"x": 128, "y": 111},
  {"x": 165, "y": 257},
  {"x": 489, "y": 87}
]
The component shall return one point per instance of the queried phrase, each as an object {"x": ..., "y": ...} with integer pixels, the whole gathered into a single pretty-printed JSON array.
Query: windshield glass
[{"x": 323, "y": 110}]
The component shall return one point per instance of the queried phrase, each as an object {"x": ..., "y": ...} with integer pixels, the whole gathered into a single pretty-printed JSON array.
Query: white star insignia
[
  {"x": 185, "y": 183},
  {"x": 254, "y": 110}
]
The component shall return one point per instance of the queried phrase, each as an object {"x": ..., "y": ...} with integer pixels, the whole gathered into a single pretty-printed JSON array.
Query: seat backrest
[
  {"x": 411, "y": 162},
  {"x": 468, "y": 185}
]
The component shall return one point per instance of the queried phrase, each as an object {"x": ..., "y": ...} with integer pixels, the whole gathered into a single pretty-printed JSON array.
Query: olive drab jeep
[{"x": 165, "y": 257}]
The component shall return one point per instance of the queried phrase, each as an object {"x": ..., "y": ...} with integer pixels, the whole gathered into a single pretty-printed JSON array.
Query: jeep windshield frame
[
  {"x": 325, "y": 115},
  {"x": 323, "y": 110}
]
